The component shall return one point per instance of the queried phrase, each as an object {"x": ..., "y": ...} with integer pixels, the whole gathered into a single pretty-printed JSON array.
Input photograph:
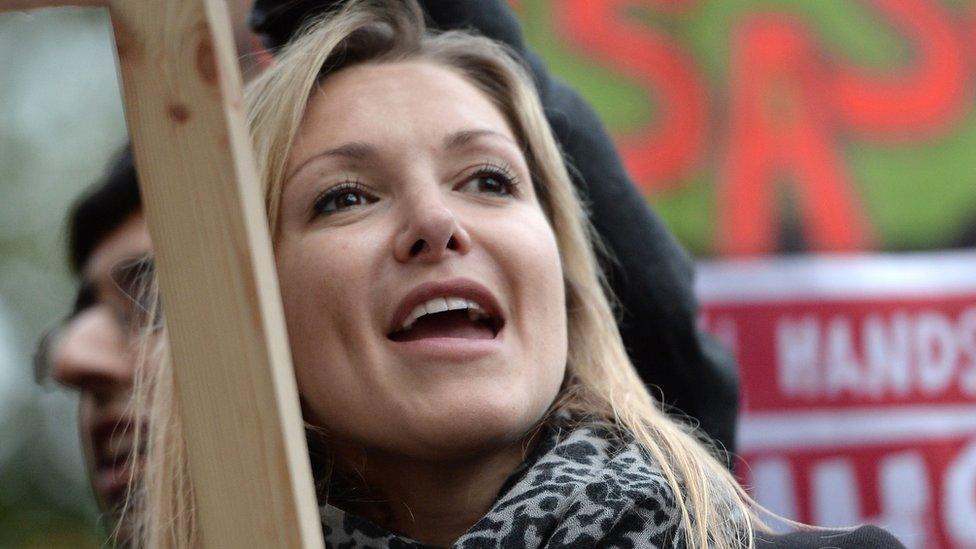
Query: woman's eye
[
  {"x": 342, "y": 198},
  {"x": 492, "y": 184},
  {"x": 490, "y": 181}
]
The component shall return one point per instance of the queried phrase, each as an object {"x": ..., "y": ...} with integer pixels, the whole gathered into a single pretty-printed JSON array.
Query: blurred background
[
  {"x": 60, "y": 119},
  {"x": 817, "y": 158}
]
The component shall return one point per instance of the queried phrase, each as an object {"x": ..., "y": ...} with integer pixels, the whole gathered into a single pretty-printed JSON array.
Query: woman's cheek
[
  {"x": 315, "y": 273},
  {"x": 534, "y": 271}
]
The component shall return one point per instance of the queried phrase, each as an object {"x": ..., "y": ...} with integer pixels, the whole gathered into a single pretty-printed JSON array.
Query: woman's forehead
[{"x": 410, "y": 104}]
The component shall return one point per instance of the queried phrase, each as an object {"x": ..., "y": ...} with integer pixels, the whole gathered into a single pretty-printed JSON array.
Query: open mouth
[
  {"x": 448, "y": 317},
  {"x": 117, "y": 459}
]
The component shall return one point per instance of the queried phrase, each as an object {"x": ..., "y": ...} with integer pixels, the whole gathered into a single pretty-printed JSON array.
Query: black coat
[{"x": 651, "y": 273}]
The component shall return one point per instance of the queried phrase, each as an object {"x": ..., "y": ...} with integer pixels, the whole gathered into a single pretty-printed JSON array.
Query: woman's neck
[{"x": 432, "y": 502}]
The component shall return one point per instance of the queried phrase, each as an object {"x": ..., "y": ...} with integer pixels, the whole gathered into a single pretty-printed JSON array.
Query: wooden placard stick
[{"x": 236, "y": 387}]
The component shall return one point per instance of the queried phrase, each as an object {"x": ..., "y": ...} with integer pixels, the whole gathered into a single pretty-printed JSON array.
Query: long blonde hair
[{"x": 601, "y": 382}]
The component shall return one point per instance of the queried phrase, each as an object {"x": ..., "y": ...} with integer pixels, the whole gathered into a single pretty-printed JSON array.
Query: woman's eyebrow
[
  {"x": 354, "y": 150},
  {"x": 357, "y": 150},
  {"x": 463, "y": 137}
]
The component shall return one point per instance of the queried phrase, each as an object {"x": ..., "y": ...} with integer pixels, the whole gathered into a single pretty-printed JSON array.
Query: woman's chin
[
  {"x": 456, "y": 419},
  {"x": 468, "y": 429}
]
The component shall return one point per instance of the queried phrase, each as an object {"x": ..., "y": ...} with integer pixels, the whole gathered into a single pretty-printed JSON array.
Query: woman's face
[{"x": 407, "y": 194}]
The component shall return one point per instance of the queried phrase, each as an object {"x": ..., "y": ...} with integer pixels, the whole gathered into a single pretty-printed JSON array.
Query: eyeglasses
[{"x": 132, "y": 281}]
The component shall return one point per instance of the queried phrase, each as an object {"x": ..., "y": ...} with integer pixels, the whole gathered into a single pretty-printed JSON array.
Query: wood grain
[{"x": 183, "y": 105}]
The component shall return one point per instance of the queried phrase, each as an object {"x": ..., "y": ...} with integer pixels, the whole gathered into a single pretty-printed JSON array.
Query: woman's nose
[
  {"x": 91, "y": 354},
  {"x": 430, "y": 231}
]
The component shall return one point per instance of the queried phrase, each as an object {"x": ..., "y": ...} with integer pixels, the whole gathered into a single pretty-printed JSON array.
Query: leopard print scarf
[{"x": 581, "y": 489}]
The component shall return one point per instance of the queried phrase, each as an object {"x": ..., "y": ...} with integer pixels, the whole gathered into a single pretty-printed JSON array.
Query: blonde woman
[{"x": 457, "y": 358}]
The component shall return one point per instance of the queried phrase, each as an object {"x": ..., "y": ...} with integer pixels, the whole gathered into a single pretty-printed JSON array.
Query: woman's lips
[{"x": 455, "y": 288}]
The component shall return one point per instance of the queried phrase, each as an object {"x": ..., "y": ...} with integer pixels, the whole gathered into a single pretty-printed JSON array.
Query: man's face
[{"x": 95, "y": 354}]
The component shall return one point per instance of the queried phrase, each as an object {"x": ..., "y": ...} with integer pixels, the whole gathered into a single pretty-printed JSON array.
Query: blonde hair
[{"x": 600, "y": 384}]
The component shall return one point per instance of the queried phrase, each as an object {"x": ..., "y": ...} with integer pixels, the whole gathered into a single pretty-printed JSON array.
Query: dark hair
[{"x": 108, "y": 203}]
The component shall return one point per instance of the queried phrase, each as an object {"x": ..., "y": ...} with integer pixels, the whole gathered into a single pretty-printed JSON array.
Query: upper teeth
[{"x": 441, "y": 304}]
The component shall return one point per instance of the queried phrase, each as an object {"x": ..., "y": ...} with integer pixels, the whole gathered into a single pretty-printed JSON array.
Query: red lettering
[
  {"x": 924, "y": 97},
  {"x": 919, "y": 489},
  {"x": 660, "y": 154},
  {"x": 780, "y": 128}
]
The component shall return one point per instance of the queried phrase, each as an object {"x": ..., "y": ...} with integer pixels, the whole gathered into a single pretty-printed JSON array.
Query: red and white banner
[{"x": 859, "y": 387}]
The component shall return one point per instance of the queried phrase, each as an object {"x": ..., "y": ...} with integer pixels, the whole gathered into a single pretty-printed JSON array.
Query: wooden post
[{"x": 183, "y": 104}]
